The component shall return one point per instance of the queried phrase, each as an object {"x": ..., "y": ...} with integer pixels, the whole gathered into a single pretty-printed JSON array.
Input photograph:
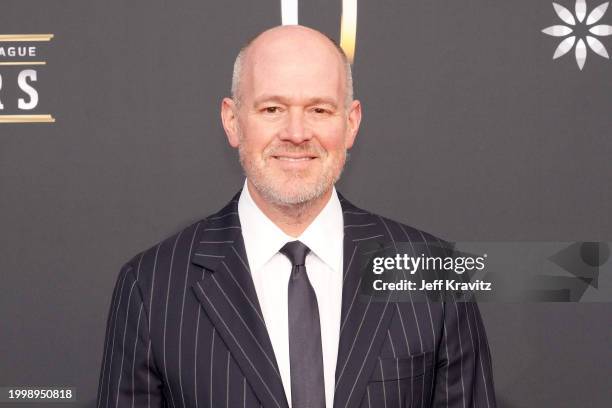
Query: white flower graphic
[{"x": 574, "y": 23}]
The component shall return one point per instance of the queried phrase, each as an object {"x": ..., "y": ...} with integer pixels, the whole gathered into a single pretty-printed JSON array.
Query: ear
[
  {"x": 354, "y": 120},
  {"x": 229, "y": 119}
]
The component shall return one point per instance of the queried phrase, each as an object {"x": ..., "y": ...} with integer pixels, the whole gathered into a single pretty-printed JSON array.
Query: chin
[
  {"x": 294, "y": 197},
  {"x": 302, "y": 193},
  {"x": 290, "y": 188}
]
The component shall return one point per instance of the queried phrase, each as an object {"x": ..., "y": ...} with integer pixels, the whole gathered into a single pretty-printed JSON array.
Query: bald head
[{"x": 292, "y": 44}]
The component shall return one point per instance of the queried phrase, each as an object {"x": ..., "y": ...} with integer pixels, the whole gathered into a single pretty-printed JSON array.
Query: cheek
[
  {"x": 332, "y": 137},
  {"x": 334, "y": 145},
  {"x": 252, "y": 144},
  {"x": 257, "y": 138}
]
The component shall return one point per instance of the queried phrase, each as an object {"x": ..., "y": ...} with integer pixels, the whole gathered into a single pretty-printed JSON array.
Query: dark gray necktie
[{"x": 305, "y": 351}]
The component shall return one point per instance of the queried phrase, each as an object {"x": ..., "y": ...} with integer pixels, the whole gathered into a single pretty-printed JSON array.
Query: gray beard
[{"x": 272, "y": 194}]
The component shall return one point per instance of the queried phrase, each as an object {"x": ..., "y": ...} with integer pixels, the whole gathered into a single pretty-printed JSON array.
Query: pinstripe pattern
[{"x": 199, "y": 339}]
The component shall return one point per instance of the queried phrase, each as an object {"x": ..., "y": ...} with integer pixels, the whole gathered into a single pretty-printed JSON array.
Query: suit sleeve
[
  {"x": 464, "y": 374},
  {"x": 128, "y": 376}
]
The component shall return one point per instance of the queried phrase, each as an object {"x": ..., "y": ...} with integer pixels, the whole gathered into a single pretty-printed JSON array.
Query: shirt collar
[{"x": 263, "y": 239}]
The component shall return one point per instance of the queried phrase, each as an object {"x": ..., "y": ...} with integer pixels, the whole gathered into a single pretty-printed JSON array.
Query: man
[{"x": 257, "y": 305}]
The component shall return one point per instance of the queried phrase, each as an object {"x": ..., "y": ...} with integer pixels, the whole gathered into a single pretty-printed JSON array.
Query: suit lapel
[
  {"x": 228, "y": 296},
  {"x": 363, "y": 321}
]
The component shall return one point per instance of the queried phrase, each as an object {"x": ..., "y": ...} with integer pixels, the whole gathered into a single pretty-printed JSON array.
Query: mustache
[{"x": 309, "y": 149}]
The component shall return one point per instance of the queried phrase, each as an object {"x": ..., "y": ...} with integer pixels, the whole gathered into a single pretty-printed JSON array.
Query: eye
[
  {"x": 271, "y": 109},
  {"x": 320, "y": 111}
]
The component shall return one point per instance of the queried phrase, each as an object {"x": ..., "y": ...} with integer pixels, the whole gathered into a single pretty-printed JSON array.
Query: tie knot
[{"x": 296, "y": 252}]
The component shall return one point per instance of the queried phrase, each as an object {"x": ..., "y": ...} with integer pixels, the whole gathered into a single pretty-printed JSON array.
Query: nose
[{"x": 296, "y": 130}]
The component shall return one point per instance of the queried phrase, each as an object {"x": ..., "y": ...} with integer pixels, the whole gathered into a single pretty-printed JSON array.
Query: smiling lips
[{"x": 294, "y": 158}]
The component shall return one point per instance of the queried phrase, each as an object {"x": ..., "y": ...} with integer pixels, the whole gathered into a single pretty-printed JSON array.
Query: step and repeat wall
[{"x": 482, "y": 121}]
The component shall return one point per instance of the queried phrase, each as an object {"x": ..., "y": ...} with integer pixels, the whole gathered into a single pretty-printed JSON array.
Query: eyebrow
[{"x": 287, "y": 101}]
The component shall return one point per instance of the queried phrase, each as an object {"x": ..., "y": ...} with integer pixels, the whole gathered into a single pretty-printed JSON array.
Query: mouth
[{"x": 289, "y": 158}]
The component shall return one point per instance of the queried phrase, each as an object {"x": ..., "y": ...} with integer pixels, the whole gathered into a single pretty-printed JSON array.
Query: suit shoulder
[
  {"x": 417, "y": 234},
  {"x": 416, "y": 238},
  {"x": 398, "y": 231},
  {"x": 174, "y": 251},
  {"x": 159, "y": 257}
]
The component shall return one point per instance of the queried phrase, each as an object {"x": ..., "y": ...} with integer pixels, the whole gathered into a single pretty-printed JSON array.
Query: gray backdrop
[{"x": 471, "y": 131}]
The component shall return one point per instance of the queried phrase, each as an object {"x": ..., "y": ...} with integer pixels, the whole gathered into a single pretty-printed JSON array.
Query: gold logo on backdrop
[
  {"x": 348, "y": 28},
  {"x": 348, "y": 23},
  {"x": 21, "y": 51}
]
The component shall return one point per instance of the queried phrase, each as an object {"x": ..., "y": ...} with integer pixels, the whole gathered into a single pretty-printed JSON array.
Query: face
[{"x": 292, "y": 128}]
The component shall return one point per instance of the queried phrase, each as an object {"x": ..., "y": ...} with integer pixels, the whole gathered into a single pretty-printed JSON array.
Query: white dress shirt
[{"x": 270, "y": 271}]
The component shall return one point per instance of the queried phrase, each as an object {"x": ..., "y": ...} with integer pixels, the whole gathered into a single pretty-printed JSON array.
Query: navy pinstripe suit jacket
[{"x": 185, "y": 330}]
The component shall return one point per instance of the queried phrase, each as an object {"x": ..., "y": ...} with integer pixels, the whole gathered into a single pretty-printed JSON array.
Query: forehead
[{"x": 293, "y": 68}]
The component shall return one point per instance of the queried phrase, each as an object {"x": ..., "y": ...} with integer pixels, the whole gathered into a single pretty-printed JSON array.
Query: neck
[{"x": 291, "y": 219}]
